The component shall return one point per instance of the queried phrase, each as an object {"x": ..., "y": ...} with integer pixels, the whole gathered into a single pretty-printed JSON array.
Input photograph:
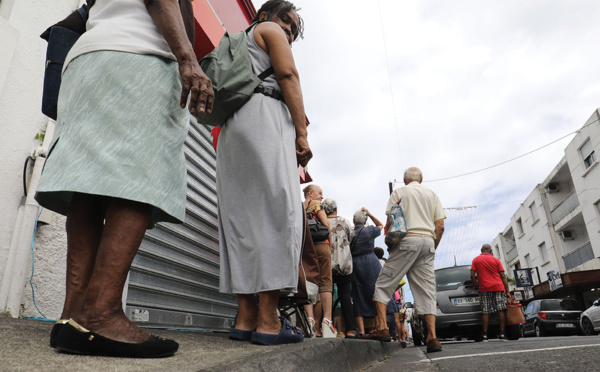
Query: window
[
  {"x": 519, "y": 226},
  {"x": 588, "y": 154},
  {"x": 543, "y": 252},
  {"x": 534, "y": 213},
  {"x": 527, "y": 261},
  {"x": 497, "y": 251}
]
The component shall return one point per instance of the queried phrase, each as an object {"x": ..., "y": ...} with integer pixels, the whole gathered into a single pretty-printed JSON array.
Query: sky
[{"x": 451, "y": 87}]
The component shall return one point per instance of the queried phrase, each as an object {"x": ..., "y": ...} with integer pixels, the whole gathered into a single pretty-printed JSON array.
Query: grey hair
[
  {"x": 360, "y": 217},
  {"x": 329, "y": 205},
  {"x": 413, "y": 174}
]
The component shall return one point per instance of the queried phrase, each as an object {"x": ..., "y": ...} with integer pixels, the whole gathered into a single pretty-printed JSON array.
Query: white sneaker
[{"x": 327, "y": 329}]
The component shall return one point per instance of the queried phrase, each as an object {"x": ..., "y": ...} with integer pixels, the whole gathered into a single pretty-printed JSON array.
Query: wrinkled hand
[
  {"x": 303, "y": 152},
  {"x": 194, "y": 80},
  {"x": 365, "y": 210}
]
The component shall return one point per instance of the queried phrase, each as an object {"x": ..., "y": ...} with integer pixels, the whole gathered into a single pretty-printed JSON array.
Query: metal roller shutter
[{"x": 174, "y": 279}]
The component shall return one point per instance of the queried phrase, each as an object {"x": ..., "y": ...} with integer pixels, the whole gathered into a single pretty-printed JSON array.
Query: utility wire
[
  {"x": 389, "y": 76},
  {"x": 520, "y": 156}
]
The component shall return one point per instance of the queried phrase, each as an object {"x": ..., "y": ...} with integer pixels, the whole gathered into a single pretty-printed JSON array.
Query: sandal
[
  {"x": 327, "y": 329},
  {"x": 239, "y": 334},
  {"x": 311, "y": 323},
  {"x": 289, "y": 334}
]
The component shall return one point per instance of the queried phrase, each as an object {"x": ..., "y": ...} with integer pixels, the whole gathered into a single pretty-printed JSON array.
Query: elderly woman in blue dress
[
  {"x": 258, "y": 187},
  {"x": 117, "y": 165},
  {"x": 366, "y": 266}
]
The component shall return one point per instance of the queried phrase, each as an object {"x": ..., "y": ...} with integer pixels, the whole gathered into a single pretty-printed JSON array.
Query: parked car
[
  {"x": 552, "y": 316},
  {"x": 458, "y": 313},
  {"x": 590, "y": 320}
]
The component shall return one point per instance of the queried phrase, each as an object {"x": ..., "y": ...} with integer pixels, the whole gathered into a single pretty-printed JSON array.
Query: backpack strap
[{"x": 268, "y": 72}]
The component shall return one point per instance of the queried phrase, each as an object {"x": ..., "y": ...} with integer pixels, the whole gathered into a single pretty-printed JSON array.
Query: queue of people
[{"x": 97, "y": 174}]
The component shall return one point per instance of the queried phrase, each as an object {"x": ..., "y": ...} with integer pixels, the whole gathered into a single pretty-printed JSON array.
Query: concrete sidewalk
[{"x": 24, "y": 347}]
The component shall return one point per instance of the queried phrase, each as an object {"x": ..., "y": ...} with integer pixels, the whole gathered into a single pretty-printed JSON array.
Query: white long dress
[{"x": 260, "y": 207}]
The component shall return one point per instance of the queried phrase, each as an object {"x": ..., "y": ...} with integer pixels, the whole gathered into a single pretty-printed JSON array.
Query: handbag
[
  {"x": 397, "y": 230},
  {"x": 61, "y": 37},
  {"x": 341, "y": 256},
  {"x": 514, "y": 315},
  {"x": 318, "y": 231}
]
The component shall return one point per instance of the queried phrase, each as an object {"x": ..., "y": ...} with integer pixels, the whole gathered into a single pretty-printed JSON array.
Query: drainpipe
[{"x": 18, "y": 265}]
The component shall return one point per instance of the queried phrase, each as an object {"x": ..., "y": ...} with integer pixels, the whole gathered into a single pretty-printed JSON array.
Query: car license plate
[
  {"x": 465, "y": 300},
  {"x": 565, "y": 325}
]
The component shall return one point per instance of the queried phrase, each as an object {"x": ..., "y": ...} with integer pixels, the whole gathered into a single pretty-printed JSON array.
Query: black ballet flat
[
  {"x": 75, "y": 339},
  {"x": 55, "y": 330}
]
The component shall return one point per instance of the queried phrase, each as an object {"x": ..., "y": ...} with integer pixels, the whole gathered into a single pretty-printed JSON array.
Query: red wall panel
[{"x": 234, "y": 14}]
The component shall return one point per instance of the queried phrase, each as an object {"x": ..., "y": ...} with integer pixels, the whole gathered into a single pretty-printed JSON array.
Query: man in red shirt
[{"x": 492, "y": 286}]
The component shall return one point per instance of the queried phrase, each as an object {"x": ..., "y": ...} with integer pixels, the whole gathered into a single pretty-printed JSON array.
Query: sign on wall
[
  {"x": 523, "y": 278},
  {"x": 554, "y": 279}
]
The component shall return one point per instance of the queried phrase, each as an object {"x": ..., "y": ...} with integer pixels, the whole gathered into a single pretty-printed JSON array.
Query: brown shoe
[
  {"x": 378, "y": 335},
  {"x": 434, "y": 345}
]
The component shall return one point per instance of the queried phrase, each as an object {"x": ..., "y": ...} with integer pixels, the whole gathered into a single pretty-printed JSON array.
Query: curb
[{"x": 316, "y": 355}]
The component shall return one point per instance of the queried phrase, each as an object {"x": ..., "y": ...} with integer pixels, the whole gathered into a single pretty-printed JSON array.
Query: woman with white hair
[
  {"x": 366, "y": 266},
  {"x": 341, "y": 236}
]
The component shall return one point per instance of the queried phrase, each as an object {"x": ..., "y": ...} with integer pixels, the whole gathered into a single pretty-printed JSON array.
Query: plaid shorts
[{"x": 492, "y": 302}]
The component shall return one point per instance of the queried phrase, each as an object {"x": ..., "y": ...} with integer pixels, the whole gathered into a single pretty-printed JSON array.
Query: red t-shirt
[{"x": 488, "y": 270}]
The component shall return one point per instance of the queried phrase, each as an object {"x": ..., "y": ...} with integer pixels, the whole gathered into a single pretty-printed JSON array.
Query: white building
[{"x": 557, "y": 227}]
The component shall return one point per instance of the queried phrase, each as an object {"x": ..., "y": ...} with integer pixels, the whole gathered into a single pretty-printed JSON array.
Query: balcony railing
[
  {"x": 565, "y": 207},
  {"x": 512, "y": 254},
  {"x": 581, "y": 254}
]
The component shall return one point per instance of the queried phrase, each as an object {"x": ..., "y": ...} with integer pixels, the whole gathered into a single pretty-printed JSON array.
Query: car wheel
[
  {"x": 588, "y": 329},
  {"x": 521, "y": 331},
  {"x": 478, "y": 337},
  {"x": 513, "y": 332},
  {"x": 539, "y": 332},
  {"x": 417, "y": 337}
]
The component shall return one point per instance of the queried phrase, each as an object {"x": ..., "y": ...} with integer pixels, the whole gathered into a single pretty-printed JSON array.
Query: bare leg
[
  {"x": 360, "y": 324},
  {"x": 248, "y": 312},
  {"x": 268, "y": 321},
  {"x": 502, "y": 320},
  {"x": 318, "y": 309},
  {"x": 381, "y": 315},
  {"x": 327, "y": 302},
  {"x": 126, "y": 223},
  {"x": 486, "y": 321},
  {"x": 310, "y": 313},
  {"x": 85, "y": 221},
  {"x": 430, "y": 321}
]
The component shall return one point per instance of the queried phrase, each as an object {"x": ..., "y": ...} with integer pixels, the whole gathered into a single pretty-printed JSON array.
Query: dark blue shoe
[
  {"x": 289, "y": 334},
  {"x": 239, "y": 335}
]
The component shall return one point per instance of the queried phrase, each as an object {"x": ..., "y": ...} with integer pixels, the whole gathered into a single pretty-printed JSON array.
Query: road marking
[{"x": 513, "y": 352}]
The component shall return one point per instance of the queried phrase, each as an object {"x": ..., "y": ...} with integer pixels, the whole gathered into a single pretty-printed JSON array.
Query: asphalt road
[{"x": 560, "y": 353}]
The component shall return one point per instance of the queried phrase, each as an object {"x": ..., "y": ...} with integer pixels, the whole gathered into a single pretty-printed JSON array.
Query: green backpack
[{"x": 234, "y": 81}]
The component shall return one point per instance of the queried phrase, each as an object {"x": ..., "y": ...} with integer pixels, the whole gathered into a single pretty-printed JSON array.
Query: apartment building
[{"x": 557, "y": 227}]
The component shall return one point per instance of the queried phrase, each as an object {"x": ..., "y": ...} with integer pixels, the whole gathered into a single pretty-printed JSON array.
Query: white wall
[
  {"x": 587, "y": 184},
  {"x": 21, "y": 76}
]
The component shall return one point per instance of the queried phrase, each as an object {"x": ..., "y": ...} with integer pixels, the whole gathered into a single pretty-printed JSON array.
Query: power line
[
  {"x": 515, "y": 158},
  {"x": 389, "y": 76}
]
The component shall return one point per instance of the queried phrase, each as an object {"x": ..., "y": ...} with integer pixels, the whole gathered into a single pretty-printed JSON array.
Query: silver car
[
  {"x": 458, "y": 312},
  {"x": 590, "y": 320}
]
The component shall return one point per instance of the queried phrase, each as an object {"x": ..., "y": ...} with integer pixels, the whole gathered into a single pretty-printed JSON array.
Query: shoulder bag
[
  {"x": 397, "y": 230},
  {"x": 341, "y": 256},
  {"x": 318, "y": 231}
]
